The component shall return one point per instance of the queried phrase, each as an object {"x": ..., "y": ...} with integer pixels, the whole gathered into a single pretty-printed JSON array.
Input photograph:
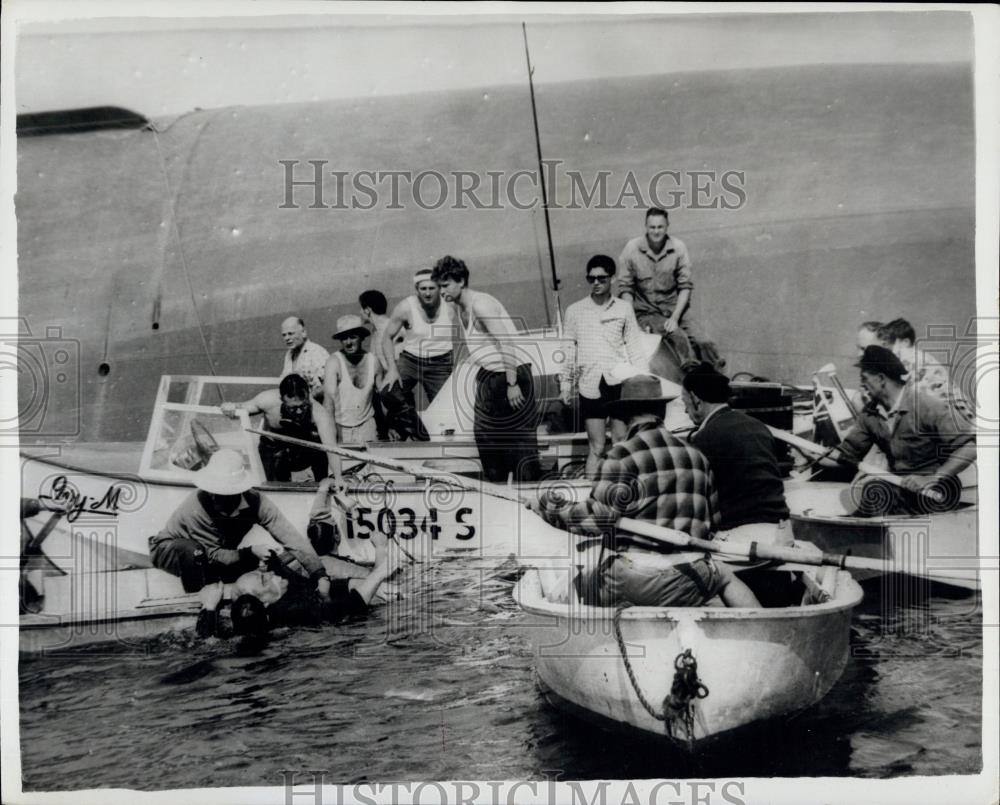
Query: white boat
[
  {"x": 942, "y": 547},
  {"x": 750, "y": 664}
]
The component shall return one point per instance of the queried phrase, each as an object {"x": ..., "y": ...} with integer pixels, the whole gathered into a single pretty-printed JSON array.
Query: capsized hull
[
  {"x": 941, "y": 547},
  {"x": 757, "y": 664}
]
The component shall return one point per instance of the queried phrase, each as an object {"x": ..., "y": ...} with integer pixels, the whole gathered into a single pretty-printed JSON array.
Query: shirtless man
[
  {"x": 290, "y": 411},
  {"x": 425, "y": 357},
  {"x": 506, "y": 416},
  {"x": 349, "y": 386}
]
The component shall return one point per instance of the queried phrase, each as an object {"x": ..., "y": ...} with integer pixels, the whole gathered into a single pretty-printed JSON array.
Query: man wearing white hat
[
  {"x": 428, "y": 325},
  {"x": 349, "y": 386},
  {"x": 200, "y": 542}
]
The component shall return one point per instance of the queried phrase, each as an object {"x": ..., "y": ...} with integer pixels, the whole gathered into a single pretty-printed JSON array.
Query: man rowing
[
  {"x": 201, "y": 541},
  {"x": 741, "y": 453},
  {"x": 927, "y": 439},
  {"x": 290, "y": 410},
  {"x": 653, "y": 476}
]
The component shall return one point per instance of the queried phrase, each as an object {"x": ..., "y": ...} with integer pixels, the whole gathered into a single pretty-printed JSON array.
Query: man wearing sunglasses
[{"x": 607, "y": 337}]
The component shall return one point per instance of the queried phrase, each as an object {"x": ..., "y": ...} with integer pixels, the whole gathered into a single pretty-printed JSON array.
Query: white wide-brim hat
[
  {"x": 225, "y": 474},
  {"x": 351, "y": 324}
]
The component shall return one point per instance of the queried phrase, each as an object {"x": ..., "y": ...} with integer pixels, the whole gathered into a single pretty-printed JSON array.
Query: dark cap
[
  {"x": 705, "y": 383},
  {"x": 881, "y": 361},
  {"x": 640, "y": 392}
]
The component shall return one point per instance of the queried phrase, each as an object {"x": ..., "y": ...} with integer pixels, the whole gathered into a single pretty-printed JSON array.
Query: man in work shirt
[
  {"x": 656, "y": 278},
  {"x": 926, "y": 438},
  {"x": 304, "y": 357}
]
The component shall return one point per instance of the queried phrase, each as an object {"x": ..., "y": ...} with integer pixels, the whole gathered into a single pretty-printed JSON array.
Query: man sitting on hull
[
  {"x": 653, "y": 476},
  {"x": 289, "y": 410}
]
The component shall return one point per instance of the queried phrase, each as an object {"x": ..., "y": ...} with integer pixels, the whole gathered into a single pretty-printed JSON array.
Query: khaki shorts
[{"x": 357, "y": 434}]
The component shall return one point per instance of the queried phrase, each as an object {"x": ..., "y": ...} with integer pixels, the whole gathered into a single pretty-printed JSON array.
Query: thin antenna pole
[{"x": 541, "y": 176}]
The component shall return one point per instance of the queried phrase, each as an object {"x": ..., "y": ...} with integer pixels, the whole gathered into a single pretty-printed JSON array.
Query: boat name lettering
[
  {"x": 62, "y": 491},
  {"x": 404, "y": 523}
]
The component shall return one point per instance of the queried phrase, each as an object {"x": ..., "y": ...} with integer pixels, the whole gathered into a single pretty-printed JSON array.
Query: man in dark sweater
[{"x": 740, "y": 450}]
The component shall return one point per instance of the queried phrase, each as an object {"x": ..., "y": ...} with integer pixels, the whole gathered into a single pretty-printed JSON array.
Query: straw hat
[
  {"x": 224, "y": 474},
  {"x": 641, "y": 390},
  {"x": 351, "y": 324}
]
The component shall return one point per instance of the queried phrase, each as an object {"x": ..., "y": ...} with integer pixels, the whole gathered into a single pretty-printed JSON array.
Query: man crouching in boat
[
  {"x": 289, "y": 410},
  {"x": 744, "y": 462},
  {"x": 928, "y": 439},
  {"x": 200, "y": 542},
  {"x": 653, "y": 476}
]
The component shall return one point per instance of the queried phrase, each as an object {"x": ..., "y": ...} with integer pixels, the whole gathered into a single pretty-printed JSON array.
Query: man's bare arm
[
  {"x": 327, "y": 430},
  {"x": 385, "y": 351}
]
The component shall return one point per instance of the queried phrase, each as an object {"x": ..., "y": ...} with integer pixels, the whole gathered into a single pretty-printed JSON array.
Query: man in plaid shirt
[{"x": 651, "y": 476}]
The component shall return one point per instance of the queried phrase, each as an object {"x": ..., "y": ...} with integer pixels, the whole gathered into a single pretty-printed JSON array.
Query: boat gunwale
[{"x": 846, "y": 599}]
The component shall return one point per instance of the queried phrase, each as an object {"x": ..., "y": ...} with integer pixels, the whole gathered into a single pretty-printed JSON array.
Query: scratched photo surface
[{"x": 186, "y": 185}]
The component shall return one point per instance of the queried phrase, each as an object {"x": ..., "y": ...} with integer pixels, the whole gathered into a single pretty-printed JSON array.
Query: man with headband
[{"x": 425, "y": 358}]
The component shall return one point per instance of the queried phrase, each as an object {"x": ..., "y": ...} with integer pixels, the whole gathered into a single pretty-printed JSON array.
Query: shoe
[{"x": 207, "y": 624}]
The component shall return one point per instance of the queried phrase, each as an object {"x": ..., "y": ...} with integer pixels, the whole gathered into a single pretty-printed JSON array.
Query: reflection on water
[{"x": 441, "y": 686}]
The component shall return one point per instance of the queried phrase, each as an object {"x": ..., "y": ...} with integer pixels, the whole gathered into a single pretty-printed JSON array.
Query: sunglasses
[{"x": 598, "y": 277}]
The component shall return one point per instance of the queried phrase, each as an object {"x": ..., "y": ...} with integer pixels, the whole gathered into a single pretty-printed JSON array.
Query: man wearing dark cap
[
  {"x": 606, "y": 337},
  {"x": 740, "y": 450},
  {"x": 653, "y": 476},
  {"x": 925, "y": 438}
]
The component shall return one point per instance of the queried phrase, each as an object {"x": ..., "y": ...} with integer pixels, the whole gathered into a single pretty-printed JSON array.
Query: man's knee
[{"x": 183, "y": 558}]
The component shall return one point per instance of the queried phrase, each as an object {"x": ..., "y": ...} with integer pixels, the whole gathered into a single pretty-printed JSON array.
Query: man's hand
[
  {"x": 323, "y": 586},
  {"x": 57, "y": 506},
  {"x": 262, "y": 552},
  {"x": 391, "y": 376},
  {"x": 669, "y": 326},
  {"x": 566, "y": 397},
  {"x": 514, "y": 396},
  {"x": 229, "y": 409}
]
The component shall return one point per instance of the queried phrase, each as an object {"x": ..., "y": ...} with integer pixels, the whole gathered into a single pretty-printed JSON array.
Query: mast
[{"x": 541, "y": 177}]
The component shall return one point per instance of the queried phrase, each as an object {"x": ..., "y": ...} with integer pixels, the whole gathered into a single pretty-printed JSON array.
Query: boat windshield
[{"x": 187, "y": 426}]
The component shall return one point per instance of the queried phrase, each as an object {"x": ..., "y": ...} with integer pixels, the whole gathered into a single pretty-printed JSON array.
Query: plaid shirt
[
  {"x": 310, "y": 364},
  {"x": 651, "y": 475},
  {"x": 604, "y": 335}
]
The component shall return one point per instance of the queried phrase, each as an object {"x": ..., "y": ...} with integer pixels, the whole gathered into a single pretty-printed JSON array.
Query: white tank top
[
  {"x": 354, "y": 405},
  {"x": 428, "y": 339},
  {"x": 483, "y": 351}
]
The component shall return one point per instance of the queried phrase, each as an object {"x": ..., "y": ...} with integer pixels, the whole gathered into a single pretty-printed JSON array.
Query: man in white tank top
[
  {"x": 349, "y": 385},
  {"x": 506, "y": 415},
  {"x": 425, "y": 358}
]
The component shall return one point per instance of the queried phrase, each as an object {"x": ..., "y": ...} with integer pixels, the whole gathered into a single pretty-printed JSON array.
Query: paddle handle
[
  {"x": 752, "y": 551},
  {"x": 408, "y": 467}
]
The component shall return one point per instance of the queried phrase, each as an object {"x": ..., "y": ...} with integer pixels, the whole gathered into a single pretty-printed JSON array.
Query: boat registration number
[{"x": 403, "y": 523}]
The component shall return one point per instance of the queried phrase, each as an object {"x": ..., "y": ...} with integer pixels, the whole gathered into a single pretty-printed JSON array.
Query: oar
[
  {"x": 407, "y": 467},
  {"x": 868, "y": 469},
  {"x": 753, "y": 550}
]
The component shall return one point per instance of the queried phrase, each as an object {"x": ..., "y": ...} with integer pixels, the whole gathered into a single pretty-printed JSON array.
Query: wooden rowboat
[
  {"x": 751, "y": 664},
  {"x": 940, "y": 547}
]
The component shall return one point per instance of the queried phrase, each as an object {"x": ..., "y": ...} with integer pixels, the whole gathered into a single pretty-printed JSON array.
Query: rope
[{"x": 678, "y": 706}]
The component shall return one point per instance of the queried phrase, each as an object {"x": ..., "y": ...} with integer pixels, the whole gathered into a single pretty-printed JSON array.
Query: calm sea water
[{"x": 441, "y": 686}]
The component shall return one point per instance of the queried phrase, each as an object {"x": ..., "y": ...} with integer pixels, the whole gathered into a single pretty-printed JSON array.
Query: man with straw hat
[
  {"x": 349, "y": 386},
  {"x": 200, "y": 542},
  {"x": 654, "y": 476}
]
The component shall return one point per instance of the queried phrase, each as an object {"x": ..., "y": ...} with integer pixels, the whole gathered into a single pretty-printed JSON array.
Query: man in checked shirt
[
  {"x": 604, "y": 330},
  {"x": 653, "y": 476}
]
